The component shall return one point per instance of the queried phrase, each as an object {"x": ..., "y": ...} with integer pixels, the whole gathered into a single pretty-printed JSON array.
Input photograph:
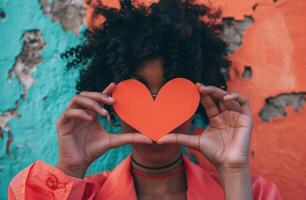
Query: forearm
[{"x": 237, "y": 183}]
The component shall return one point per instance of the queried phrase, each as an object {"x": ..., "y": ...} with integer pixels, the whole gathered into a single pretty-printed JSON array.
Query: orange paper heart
[{"x": 175, "y": 103}]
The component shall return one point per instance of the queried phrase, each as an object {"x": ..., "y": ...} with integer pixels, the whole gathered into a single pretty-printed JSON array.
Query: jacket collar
[{"x": 120, "y": 184}]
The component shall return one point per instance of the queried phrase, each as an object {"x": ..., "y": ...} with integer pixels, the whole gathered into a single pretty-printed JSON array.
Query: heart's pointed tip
[{"x": 154, "y": 140}]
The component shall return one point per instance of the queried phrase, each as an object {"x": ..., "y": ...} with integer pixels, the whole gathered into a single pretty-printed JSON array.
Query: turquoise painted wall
[{"x": 34, "y": 131}]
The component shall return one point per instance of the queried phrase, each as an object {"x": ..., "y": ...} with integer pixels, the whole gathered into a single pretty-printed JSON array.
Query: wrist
[
  {"x": 236, "y": 182},
  {"x": 229, "y": 174},
  {"x": 233, "y": 169},
  {"x": 74, "y": 171}
]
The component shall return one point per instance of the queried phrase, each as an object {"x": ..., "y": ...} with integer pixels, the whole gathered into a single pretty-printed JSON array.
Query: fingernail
[
  {"x": 149, "y": 140},
  {"x": 160, "y": 141},
  {"x": 110, "y": 98},
  {"x": 226, "y": 96},
  {"x": 198, "y": 84},
  {"x": 105, "y": 112}
]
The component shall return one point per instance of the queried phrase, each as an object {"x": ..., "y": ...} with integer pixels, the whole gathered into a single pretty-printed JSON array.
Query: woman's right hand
[{"x": 81, "y": 138}]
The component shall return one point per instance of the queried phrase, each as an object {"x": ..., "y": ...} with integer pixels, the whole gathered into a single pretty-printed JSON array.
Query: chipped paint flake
[
  {"x": 234, "y": 30},
  {"x": 27, "y": 60},
  {"x": 276, "y": 106},
  {"x": 5, "y": 117},
  {"x": 69, "y": 13}
]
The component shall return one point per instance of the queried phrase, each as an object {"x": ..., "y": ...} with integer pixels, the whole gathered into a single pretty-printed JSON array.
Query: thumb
[
  {"x": 117, "y": 140},
  {"x": 192, "y": 141}
]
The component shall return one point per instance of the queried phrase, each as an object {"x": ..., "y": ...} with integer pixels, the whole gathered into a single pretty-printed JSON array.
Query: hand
[
  {"x": 81, "y": 138},
  {"x": 226, "y": 140}
]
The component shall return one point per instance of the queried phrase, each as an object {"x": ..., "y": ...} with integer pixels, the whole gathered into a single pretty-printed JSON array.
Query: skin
[{"x": 225, "y": 142}]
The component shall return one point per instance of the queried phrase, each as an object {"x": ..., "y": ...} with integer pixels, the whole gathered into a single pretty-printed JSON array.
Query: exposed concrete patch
[
  {"x": 233, "y": 36},
  {"x": 233, "y": 32},
  {"x": 247, "y": 72},
  {"x": 4, "y": 119},
  {"x": 69, "y": 13},
  {"x": 275, "y": 106},
  {"x": 26, "y": 61}
]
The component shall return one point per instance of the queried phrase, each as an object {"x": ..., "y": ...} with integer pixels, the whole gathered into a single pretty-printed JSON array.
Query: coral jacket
[{"x": 42, "y": 181}]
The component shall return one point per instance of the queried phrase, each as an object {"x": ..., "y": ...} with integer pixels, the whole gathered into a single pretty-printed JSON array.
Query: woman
[{"x": 153, "y": 45}]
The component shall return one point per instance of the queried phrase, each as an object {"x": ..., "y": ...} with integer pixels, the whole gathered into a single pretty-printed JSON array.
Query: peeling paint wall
[
  {"x": 34, "y": 85},
  {"x": 266, "y": 42},
  {"x": 269, "y": 66}
]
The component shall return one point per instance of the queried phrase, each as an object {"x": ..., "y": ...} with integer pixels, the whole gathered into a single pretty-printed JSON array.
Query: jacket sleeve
[
  {"x": 264, "y": 190},
  {"x": 42, "y": 181}
]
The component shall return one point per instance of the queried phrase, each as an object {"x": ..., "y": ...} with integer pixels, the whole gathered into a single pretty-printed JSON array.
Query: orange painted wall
[{"x": 275, "y": 46}]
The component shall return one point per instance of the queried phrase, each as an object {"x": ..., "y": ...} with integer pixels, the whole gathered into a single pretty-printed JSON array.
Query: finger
[
  {"x": 213, "y": 91},
  {"x": 91, "y": 112},
  {"x": 210, "y": 106},
  {"x": 79, "y": 101},
  {"x": 192, "y": 141},
  {"x": 109, "y": 89},
  {"x": 99, "y": 97},
  {"x": 74, "y": 114},
  {"x": 218, "y": 95},
  {"x": 231, "y": 96},
  {"x": 242, "y": 100},
  {"x": 117, "y": 140},
  {"x": 229, "y": 104},
  {"x": 222, "y": 106}
]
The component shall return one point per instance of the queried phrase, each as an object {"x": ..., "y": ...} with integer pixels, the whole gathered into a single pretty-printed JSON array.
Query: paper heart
[{"x": 174, "y": 104}]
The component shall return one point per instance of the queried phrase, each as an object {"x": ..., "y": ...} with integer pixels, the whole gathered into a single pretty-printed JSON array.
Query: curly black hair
[{"x": 186, "y": 36}]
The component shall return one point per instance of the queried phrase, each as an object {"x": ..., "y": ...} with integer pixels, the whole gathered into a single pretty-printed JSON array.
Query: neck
[
  {"x": 163, "y": 169},
  {"x": 163, "y": 179}
]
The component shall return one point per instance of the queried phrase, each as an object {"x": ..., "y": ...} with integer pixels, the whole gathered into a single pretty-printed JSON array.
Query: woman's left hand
[{"x": 226, "y": 140}]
